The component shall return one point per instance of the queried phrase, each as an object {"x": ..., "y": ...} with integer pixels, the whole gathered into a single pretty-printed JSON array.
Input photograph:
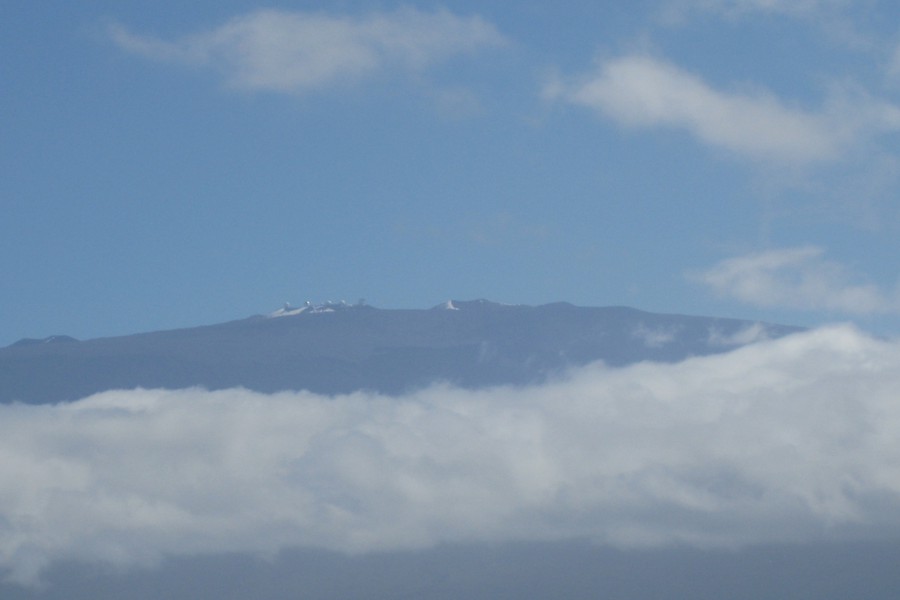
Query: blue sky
[{"x": 169, "y": 164}]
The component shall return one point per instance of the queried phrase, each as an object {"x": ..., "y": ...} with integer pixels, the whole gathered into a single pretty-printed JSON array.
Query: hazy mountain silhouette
[{"x": 337, "y": 348}]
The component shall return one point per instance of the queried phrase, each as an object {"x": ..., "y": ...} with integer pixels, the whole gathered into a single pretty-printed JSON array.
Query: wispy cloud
[
  {"x": 655, "y": 337},
  {"x": 786, "y": 440},
  {"x": 679, "y": 11},
  {"x": 842, "y": 21},
  {"x": 641, "y": 91},
  {"x": 797, "y": 278},
  {"x": 757, "y": 332},
  {"x": 299, "y": 52},
  {"x": 893, "y": 66}
]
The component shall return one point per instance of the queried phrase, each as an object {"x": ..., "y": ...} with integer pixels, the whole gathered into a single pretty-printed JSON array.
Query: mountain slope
[{"x": 337, "y": 348}]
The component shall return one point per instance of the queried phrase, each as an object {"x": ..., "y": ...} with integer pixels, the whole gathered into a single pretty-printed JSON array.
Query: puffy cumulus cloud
[
  {"x": 644, "y": 92},
  {"x": 797, "y": 278},
  {"x": 785, "y": 440},
  {"x": 298, "y": 52}
]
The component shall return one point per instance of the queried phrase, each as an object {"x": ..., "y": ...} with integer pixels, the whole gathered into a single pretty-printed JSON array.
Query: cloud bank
[
  {"x": 299, "y": 52},
  {"x": 799, "y": 278},
  {"x": 786, "y": 440}
]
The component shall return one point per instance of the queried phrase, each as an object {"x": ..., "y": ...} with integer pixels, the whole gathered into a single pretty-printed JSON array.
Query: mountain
[{"x": 336, "y": 348}]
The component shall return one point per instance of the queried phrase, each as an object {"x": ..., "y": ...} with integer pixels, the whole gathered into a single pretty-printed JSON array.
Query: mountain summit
[{"x": 338, "y": 348}]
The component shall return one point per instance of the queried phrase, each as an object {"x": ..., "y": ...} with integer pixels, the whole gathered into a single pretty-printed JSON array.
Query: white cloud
[
  {"x": 298, "y": 52},
  {"x": 768, "y": 6},
  {"x": 644, "y": 92},
  {"x": 786, "y": 440},
  {"x": 639, "y": 91},
  {"x": 893, "y": 67},
  {"x": 797, "y": 278},
  {"x": 655, "y": 338},
  {"x": 756, "y": 332},
  {"x": 675, "y": 11}
]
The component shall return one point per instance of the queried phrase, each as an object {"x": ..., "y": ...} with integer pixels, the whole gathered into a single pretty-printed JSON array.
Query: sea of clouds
[{"x": 789, "y": 440}]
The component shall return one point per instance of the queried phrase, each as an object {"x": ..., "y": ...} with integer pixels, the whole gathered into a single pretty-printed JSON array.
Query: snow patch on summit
[
  {"x": 479, "y": 303},
  {"x": 288, "y": 311},
  {"x": 308, "y": 307}
]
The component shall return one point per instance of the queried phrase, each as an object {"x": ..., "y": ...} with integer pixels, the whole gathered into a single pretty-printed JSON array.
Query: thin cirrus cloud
[
  {"x": 789, "y": 440},
  {"x": 680, "y": 11},
  {"x": 300, "y": 52},
  {"x": 734, "y": 7},
  {"x": 640, "y": 91},
  {"x": 893, "y": 68},
  {"x": 799, "y": 278}
]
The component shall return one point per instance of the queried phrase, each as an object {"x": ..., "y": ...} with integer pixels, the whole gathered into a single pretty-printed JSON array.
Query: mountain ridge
[{"x": 335, "y": 348}]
